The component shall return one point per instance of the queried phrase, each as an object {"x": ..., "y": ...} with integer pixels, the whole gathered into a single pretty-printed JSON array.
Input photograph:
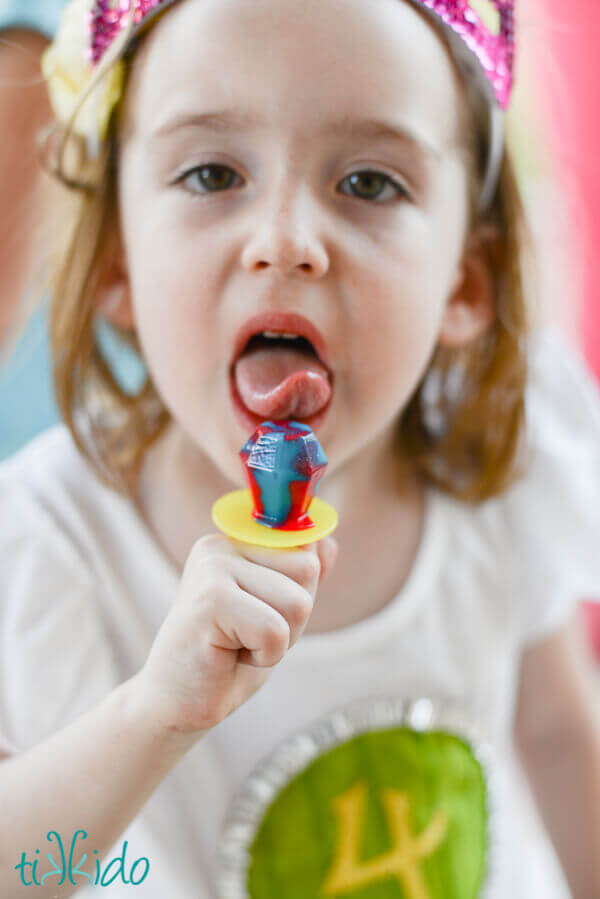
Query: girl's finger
[
  {"x": 327, "y": 549},
  {"x": 287, "y": 597},
  {"x": 255, "y": 628},
  {"x": 302, "y": 564}
]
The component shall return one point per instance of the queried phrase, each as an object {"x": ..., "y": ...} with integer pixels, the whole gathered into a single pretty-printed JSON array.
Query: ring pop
[{"x": 284, "y": 464}]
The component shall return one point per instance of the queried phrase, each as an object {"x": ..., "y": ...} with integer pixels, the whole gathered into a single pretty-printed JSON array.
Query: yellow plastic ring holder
[{"x": 232, "y": 514}]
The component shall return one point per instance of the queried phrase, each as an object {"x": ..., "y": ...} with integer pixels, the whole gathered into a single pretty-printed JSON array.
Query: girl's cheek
[{"x": 174, "y": 312}]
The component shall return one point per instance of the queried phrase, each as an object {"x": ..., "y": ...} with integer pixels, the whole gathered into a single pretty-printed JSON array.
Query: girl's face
[{"x": 280, "y": 225}]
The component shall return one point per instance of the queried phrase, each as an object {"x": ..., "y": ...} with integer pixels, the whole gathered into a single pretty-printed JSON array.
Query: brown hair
[{"x": 465, "y": 441}]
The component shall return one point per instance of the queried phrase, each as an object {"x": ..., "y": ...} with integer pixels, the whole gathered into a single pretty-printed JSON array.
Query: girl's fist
[{"x": 238, "y": 611}]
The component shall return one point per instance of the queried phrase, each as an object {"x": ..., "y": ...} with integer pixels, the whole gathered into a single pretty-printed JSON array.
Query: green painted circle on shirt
[{"x": 428, "y": 786}]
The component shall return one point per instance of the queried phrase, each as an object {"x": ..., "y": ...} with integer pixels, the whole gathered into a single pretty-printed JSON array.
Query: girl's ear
[
  {"x": 114, "y": 293},
  {"x": 471, "y": 307}
]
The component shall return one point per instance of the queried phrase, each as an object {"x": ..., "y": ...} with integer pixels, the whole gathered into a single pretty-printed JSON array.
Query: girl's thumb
[{"x": 327, "y": 549}]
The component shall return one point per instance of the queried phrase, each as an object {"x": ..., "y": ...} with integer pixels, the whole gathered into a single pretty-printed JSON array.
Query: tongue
[{"x": 282, "y": 382}]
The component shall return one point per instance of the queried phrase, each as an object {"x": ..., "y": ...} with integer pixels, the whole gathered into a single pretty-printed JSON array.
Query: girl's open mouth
[{"x": 278, "y": 379}]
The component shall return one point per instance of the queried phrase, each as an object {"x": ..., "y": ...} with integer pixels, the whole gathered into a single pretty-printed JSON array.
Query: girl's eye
[
  {"x": 373, "y": 184},
  {"x": 209, "y": 178},
  {"x": 366, "y": 185}
]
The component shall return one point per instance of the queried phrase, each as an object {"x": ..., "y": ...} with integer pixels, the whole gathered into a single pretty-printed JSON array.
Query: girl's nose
[{"x": 284, "y": 237}]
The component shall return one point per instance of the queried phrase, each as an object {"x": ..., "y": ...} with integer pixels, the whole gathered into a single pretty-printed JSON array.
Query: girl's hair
[{"x": 461, "y": 429}]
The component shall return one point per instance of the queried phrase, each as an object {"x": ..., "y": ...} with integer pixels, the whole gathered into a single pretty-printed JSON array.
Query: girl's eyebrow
[{"x": 229, "y": 121}]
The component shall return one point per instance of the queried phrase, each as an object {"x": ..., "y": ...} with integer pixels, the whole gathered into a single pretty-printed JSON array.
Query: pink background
[
  {"x": 571, "y": 111},
  {"x": 560, "y": 68}
]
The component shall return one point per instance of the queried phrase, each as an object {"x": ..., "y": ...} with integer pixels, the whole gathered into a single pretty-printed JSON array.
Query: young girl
[{"x": 185, "y": 715}]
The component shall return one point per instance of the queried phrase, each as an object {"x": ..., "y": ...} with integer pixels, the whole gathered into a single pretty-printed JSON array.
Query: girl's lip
[
  {"x": 290, "y": 322},
  {"x": 250, "y": 421}
]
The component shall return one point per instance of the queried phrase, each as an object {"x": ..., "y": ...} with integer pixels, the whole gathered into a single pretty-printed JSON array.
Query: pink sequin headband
[{"x": 483, "y": 56}]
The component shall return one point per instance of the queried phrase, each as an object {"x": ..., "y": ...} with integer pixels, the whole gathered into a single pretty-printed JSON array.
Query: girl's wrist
[{"x": 140, "y": 708}]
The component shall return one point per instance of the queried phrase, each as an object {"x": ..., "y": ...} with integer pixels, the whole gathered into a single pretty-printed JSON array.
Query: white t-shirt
[{"x": 84, "y": 588}]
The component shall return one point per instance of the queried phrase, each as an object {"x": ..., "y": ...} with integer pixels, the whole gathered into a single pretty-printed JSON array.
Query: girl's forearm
[
  {"x": 94, "y": 775},
  {"x": 565, "y": 776}
]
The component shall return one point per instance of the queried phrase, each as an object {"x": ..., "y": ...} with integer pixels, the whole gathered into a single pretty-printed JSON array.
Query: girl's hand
[{"x": 238, "y": 611}]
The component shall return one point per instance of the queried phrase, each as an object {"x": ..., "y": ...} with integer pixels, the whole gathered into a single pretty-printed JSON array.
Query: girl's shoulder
[
  {"x": 57, "y": 514},
  {"x": 43, "y": 477},
  {"x": 551, "y": 516},
  {"x": 53, "y": 506},
  {"x": 43, "y": 488},
  {"x": 40, "y": 451},
  {"x": 52, "y": 613},
  {"x": 563, "y": 395}
]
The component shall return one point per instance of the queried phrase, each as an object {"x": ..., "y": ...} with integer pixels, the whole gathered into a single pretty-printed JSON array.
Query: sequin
[{"x": 494, "y": 52}]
